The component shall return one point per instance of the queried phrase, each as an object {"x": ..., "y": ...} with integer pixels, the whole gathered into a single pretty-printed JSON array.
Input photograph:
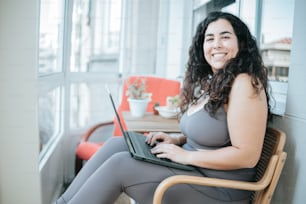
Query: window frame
[{"x": 50, "y": 81}]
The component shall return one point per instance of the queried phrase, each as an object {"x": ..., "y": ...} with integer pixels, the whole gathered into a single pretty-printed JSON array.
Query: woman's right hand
[{"x": 154, "y": 138}]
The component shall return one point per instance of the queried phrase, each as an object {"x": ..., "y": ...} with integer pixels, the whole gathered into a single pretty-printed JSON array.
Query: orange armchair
[{"x": 160, "y": 89}]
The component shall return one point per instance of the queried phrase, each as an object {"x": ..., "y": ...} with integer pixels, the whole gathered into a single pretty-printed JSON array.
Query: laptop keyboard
[{"x": 142, "y": 146}]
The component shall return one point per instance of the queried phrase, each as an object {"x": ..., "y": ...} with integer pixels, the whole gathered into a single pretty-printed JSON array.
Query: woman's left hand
[{"x": 172, "y": 152}]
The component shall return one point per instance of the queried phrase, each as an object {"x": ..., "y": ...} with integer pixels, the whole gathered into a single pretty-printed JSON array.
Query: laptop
[{"x": 140, "y": 150}]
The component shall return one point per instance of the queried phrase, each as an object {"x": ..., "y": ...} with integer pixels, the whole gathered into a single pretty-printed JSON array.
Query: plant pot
[{"x": 138, "y": 107}]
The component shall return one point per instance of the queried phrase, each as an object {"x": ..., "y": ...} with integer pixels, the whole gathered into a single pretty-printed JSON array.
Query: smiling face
[{"x": 220, "y": 44}]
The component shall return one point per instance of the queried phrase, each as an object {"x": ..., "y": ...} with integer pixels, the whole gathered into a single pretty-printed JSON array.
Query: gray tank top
[{"x": 206, "y": 132}]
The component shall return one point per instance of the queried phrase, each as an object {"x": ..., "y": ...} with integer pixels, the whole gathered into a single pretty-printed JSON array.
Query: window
[
  {"x": 107, "y": 27},
  {"x": 79, "y": 105},
  {"x": 276, "y": 34},
  {"x": 95, "y": 35},
  {"x": 276, "y": 39},
  {"x": 49, "y": 117},
  {"x": 90, "y": 104},
  {"x": 70, "y": 97},
  {"x": 50, "y": 36},
  {"x": 50, "y": 73},
  {"x": 80, "y": 36}
]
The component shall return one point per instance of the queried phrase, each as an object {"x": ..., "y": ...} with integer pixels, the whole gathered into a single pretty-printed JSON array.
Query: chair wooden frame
[{"x": 269, "y": 169}]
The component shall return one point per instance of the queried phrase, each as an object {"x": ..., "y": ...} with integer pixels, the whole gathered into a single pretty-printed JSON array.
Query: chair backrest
[
  {"x": 158, "y": 86},
  {"x": 274, "y": 143}
]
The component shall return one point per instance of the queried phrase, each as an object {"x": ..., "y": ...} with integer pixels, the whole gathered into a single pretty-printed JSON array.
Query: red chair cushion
[{"x": 86, "y": 149}]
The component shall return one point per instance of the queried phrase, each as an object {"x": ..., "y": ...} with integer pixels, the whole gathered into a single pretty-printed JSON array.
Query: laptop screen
[
  {"x": 124, "y": 133},
  {"x": 114, "y": 107}
]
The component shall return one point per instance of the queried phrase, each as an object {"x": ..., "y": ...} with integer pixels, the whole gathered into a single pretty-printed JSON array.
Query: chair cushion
[{"x": 86, "y": 149}]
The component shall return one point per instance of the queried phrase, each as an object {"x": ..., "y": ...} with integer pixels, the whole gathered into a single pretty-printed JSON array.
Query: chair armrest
[
  {"x": 89, "y": 132},
  {"x": 242, "y": 185}
]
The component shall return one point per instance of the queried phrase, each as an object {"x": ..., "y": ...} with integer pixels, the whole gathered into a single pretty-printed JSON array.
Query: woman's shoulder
[
  {"x": 243, "y": 83},
  {"x": 242, "y": 79}
]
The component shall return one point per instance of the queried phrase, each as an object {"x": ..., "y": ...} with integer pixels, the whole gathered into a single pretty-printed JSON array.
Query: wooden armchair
[
  {"x": 160, "y": 89},
  {"x": 269, "y": 169}
]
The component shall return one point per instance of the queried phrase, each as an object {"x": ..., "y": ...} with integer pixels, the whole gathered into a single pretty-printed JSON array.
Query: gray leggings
[{"x": 112, "y": 171}]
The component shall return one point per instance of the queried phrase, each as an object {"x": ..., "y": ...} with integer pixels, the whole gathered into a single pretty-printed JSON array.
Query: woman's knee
[
  {"x": 117, "y": 142},
  {"x": 112, "y": 146},
  {"x": 123, "y": 166},
  {"x": 119, "y": 159}
]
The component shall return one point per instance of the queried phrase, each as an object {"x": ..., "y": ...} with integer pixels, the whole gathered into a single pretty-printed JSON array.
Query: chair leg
[{"x": 78, "y": 165}]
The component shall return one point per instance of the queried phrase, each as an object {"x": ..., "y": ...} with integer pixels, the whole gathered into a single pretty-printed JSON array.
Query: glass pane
[
  {"x": 276, "y": 37},
  {"x": 277, "y": 20},
  {"x": 50, "y": 36},
  {"x": 80, "y": 36},
  {"x": 90, "y": 103},
  {"x": 277, "y": 24},
  {"x": 95, "y": 35},
  {"x": 49, "y": 109},
  {"x": 113, "y": 25}
]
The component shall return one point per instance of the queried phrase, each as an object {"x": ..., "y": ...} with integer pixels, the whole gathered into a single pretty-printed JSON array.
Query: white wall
[
  {"x": 292, "y": 182},
  {"x": 19, "y": 146}
]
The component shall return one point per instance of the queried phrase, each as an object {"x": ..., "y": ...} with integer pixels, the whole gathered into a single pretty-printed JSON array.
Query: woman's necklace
[{"x": 199, "y": 93}]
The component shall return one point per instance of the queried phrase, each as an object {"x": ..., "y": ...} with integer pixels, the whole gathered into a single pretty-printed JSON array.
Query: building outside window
[{"x": 276, "y": 57}]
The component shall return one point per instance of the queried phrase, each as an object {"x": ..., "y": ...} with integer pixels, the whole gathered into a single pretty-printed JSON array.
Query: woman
[{"x": 224, "y": 105}]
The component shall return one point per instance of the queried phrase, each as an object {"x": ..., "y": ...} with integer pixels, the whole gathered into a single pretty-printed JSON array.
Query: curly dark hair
[{"x": 248, "y": 60}]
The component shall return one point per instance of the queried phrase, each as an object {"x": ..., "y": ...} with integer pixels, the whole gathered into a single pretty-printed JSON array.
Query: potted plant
[
  {"x": 138, "y": 97},
  {"x": 172, "y": 102}
]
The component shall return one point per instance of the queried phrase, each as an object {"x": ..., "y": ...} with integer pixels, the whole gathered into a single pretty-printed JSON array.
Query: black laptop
[{"x": 140, "y": 150}]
